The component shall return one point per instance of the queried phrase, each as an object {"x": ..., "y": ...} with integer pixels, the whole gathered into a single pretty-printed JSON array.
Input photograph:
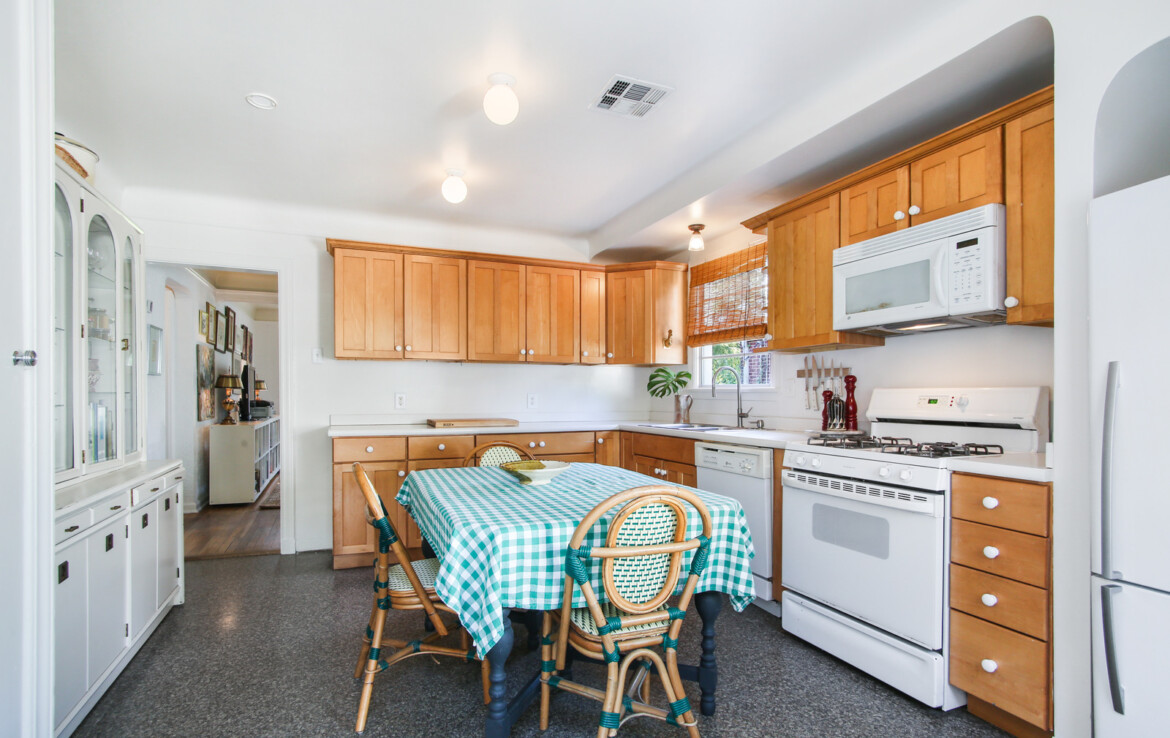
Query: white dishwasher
[{"x": 744, "y": 474}]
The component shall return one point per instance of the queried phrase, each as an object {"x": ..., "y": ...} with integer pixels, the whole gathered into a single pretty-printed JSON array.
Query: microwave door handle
[{"x": 944, "y": 266}]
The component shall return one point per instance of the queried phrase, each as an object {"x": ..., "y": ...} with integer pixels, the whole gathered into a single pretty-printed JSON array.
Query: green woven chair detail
[
  {"x": 638, "y": 578},
  {"x": 426, "y": 569},
  {"x": 583, "y": 619},
  {"x": 495, "y": 453}
]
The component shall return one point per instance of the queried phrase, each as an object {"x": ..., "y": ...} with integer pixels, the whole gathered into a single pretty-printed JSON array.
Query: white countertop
[
  {"x": 90, "y": 490},
  {"x": 1027, "y": 467}
]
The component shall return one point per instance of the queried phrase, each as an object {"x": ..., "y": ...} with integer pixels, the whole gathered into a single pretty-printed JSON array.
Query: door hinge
[
  {"x": 127, "y": 530},
  {"x": 176, "y": 572},
  {"x": 83, "y": 331},
  {"x": 82, "y": 456},
  {"x": 83, "y": 204},
  {"x": 127, "y": 630}
]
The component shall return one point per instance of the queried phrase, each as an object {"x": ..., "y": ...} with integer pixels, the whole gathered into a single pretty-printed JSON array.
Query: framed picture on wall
[
  {"x": 220, "y": 332},
  {"x": 203, "y": 324},
  {"x": 249, "y": 347},
  {"x": 154, "y": 350},
  {"x": 243, "y": 347},
  {"x": 230, "y": 345},
  {"x": 211, "y": 333},
  {"x": 205, "y": 378}
]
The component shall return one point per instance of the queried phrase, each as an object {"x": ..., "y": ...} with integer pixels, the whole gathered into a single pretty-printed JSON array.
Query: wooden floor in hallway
[{"x": 222, "y": 531}]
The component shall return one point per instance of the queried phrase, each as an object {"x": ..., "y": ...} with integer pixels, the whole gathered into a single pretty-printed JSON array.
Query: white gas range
[{"x": 866, "y": 541}]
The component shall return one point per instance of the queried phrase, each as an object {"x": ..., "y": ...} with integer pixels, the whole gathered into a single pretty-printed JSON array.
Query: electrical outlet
[
  {"x": 399, "y": 400},
  {"x": 317, "y": 357},
  {"x": 533, "y": 401}
]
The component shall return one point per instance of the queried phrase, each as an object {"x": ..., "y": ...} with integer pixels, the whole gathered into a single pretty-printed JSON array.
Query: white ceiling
[{"x": 377, "y": 98}]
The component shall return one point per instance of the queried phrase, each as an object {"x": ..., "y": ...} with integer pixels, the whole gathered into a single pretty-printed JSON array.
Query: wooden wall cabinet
[
  {"x": 876, "y": 206},
  {"x": 367, "y": 309},
  {"x": 435, "y": 314},
  {"x": 800, "y": 283},
  {"x": 646, "y": 314},
  {"x": 1028, "y": 189},
  {"x": 496, "y": 318},
  {"x": 1001, "y": 605},
  {"x": 592, "y": 317},
  {"x": 553, "y": 314},
  {"x": 962, "y": 176}
]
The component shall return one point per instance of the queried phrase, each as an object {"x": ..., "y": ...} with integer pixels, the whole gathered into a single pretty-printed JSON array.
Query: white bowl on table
[{"x": 530, "y": 474}]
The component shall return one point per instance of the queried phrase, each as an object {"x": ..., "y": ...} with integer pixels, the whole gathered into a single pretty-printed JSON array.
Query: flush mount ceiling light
[
  {"x": 260, "y": 100},
  {"x": 696, "y": 243},
  {"x": 500, "y": 104},
  {"x": 454, "y": 188}
]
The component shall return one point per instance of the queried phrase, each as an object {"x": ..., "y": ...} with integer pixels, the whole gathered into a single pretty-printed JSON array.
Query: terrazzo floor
[{"x": 266, "y": 646}]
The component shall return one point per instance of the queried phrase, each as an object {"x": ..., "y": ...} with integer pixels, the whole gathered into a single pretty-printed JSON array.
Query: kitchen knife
[
  {"x": 817, "y": 386},
  {"x": 807, "y": 377}
]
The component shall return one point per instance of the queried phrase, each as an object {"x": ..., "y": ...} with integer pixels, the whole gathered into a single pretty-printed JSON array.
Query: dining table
[{"x": 501, "y": 545}]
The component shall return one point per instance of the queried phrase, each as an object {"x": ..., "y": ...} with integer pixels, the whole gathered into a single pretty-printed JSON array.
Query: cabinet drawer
[
  {"x": 668, "y": 448},
  {"x": 1009, "y": 603},
  {"x": 368, "y": 449},
  {"x": 146, "y": 490},
  {"x": 1004, "y": 503},
  {"x": 111, "y": 507},
  {"x": 571, "y": 458},
  {"x": 544, "y": 444},
  {"x": 439, "y": 447},
  {"x": 1007, "y": 553},
  {"x": 175, "y": 477},
  {"x": 70, "y": 526},
  {"x": 1020, "y": 682}
]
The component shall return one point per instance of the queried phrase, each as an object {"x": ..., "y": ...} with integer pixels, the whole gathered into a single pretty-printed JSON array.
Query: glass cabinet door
[
  {"x": 102, "y": 351},
  {"x": 64, "y": 331},
  {"x": 127, "y": 330}
]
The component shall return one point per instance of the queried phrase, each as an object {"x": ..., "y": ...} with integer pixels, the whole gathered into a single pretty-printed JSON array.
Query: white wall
[{"x": 291, "y": 241}]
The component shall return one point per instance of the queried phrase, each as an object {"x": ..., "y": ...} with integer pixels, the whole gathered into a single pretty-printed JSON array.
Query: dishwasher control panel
[{"x": 742, "y": 460}]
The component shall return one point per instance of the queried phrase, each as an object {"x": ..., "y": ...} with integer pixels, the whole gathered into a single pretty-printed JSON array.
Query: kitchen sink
[{"x": 687, "y": 426}]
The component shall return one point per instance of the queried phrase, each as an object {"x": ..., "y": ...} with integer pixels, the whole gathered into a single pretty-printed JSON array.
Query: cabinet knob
[
  {"x": 408, "y": 348},
  {"x": 899, "y": 215},
  {"x": 601, "y": 440},
  {"x": 442, "y": 447},
  {"x": 990, "y": 552},
  {"x": 401, "y": 473},
  {"x": 990, "y": 503},
  {"x": 1010, "y": 302},
  {"x": 72, "y": 528},
  {"x": 369, "y": 449},
  {"x": 609, "y": 355},
  {"x": 989, "y": 599},
  {"x": 657, "y": 471},
  {"x": 584, "y": 353},
  {"x": 541, "y": 444},
  {"x": 398, "y": 347},
  {"x": 531, "y": 352},
  {"x": 989, "y": 666},
  {"x": 531, "y": 444},
  {"x": 915, "y": 210}
]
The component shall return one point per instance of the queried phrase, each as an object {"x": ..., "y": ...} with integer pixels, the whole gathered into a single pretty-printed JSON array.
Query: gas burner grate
[{"x": 945, "y": 449}]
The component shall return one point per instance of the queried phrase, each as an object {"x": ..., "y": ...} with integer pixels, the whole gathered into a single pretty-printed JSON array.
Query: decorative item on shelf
[
  {"x": 259, "y": 387},
  {"x": 850, "y": 403},
  {"x": 696, "y": 242},
  {"x": 663, "y": 383},
  {"x": 228, "y": 383},
  {"x": 535, "y": 471}
]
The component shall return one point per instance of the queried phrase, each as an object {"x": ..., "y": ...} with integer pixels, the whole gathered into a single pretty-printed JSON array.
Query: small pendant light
[{"x": 696, "y": 243}]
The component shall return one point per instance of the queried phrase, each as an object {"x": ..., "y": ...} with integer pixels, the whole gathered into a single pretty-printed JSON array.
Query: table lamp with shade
[{"x": 228, "y": 383}]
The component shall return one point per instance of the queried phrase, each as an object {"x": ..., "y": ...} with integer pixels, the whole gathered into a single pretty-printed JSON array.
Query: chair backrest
[
  {"x": 494, "y": 453},
  {"x": 641, "y": 559}
]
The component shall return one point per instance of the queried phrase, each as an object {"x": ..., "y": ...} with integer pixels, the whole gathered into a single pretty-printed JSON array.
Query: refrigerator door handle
[
  {"x": 1116, "y": 692},
  {"x": 1112, "y": 382}
]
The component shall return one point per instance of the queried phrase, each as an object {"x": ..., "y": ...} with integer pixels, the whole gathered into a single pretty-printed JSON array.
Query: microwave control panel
[{"x": 976, "y": 266}]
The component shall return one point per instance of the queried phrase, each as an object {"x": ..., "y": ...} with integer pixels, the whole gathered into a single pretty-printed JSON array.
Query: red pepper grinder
[{"x": 850, "y": 403}]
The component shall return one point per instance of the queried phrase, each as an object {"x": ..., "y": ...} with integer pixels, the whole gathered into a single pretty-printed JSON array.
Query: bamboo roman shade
[{"x": 728, "y": 298}]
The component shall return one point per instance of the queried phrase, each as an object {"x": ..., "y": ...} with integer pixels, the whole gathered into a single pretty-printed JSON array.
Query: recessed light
[{"x": 261, "y": 101}]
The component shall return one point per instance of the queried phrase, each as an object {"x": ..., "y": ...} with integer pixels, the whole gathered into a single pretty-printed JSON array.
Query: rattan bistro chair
[
  {"x": 640, "y": 568},
  {"x": 409, "y": 585},
  {"x": 494, "y": 453}
]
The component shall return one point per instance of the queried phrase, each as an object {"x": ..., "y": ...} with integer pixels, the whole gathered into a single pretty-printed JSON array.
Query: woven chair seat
[
  {"x": 582, "y": 619},
  {"x": 427, "y": 570}
]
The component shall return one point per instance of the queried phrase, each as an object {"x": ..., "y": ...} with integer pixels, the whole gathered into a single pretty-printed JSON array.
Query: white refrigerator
[{"x": 1129, "y": 352}]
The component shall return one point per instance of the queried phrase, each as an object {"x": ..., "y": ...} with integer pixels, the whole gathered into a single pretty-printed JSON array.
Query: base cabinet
[{"x": 70, "y": 632}]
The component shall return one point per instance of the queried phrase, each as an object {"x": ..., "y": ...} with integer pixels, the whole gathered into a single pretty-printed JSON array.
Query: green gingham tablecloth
[{"x": 502, "y": 543}]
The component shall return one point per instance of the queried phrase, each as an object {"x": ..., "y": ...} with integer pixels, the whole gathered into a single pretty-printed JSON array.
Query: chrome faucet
[{"x": 740, "y": 415}]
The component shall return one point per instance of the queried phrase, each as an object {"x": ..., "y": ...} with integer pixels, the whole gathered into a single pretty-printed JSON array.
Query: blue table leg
[
  {"x": 708, "y": 604},
  {"x": 498, "y": 725}
]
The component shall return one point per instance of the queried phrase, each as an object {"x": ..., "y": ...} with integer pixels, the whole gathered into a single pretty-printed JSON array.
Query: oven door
[
  {"x": 876, "y": 553},
  {"x": 895, "y": 287}
]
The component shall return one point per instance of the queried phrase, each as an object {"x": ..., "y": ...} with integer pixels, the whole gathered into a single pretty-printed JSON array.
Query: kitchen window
[{"x": 727, "y": 317}]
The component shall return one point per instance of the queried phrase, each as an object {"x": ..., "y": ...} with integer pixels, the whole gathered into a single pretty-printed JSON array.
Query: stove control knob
[
  {"x": 963, "y": 401},
  {"x": 884, "y": 471},
  {"x": 816, "y": 461},
  {"x": 905, "y": 474},
  {"x": 800, "y": 459}
]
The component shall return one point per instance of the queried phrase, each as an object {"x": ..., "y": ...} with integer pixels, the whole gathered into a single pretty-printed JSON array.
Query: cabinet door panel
[
  {"x": 1028, "y": 193},
  {"x": 351, "y": 533},
  {"x": 108, "y": 554},
  {"x": 628, "y": 317},
  {"x": 143, "y": 566},
  {"x": 670, "y": 317},
  {"x": 868, "y": 208},
  {"x": 435, "y": 296},
  {"x": 69, "y": 630},
  {"x": 553, "y": 314},
  {"x": 169, "y": 524},
  {"x": 592, "y": 317},
  {"x": 960, "y": 177},
  {"x": 608, "y": 448},
  {"x": 367, "y": 304},
  {"x": 496, "y": 296}
]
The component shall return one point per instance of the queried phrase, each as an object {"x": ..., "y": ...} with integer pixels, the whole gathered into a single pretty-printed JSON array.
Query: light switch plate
[
  {"x": 317, "y": 357},
  {"x": 399, "y": 400},
  {"x": 533, "y": 401}
]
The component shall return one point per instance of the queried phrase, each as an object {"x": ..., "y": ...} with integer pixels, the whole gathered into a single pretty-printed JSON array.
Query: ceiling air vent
[{"x": 630, "y": 97}]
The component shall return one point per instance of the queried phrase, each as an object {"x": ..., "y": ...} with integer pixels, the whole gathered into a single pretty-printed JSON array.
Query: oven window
[
  {"x": 906, "y": 284},
  {"x": 866, "y": 534}
]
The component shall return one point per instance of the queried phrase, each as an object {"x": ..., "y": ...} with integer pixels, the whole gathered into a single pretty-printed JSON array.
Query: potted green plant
[{"x": 664, "y": 383}]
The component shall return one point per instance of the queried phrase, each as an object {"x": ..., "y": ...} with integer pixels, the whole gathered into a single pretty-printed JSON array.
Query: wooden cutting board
[{"x": 470, "y": 422}]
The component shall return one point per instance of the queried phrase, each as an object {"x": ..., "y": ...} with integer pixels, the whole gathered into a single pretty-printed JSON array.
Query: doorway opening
[{"x": 215, "y": 403}]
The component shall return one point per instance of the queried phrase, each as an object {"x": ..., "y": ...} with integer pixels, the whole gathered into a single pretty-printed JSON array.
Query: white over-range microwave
[{"x": 948, "y": 273}]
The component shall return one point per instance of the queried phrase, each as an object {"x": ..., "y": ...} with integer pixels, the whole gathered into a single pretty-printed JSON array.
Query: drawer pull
[
  {"x": 990, "y": 552},
  {"x": 657, "y": 471},
  {"x": 116, "y": 507},
  {"x": 398, "y": 347},
  {"x": 369, "y": 449},
  {"x": 990, "y": 503},
  {"x": 584, "y": 353},
  {"x": 178, "y": 477},
  {"x": 72, "y": 528},
  {"x": 531, "y": 444},
  {"x": 541, "y": 444},
  {"x": 989, "y": 666},
  {"x": 401, "y": 473},
  {"x": 442, "y": 447},
  {"x": 601, "y": 440},
  {"x": 154, "y": 489},
  {"x": 989, "y": 599}
]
